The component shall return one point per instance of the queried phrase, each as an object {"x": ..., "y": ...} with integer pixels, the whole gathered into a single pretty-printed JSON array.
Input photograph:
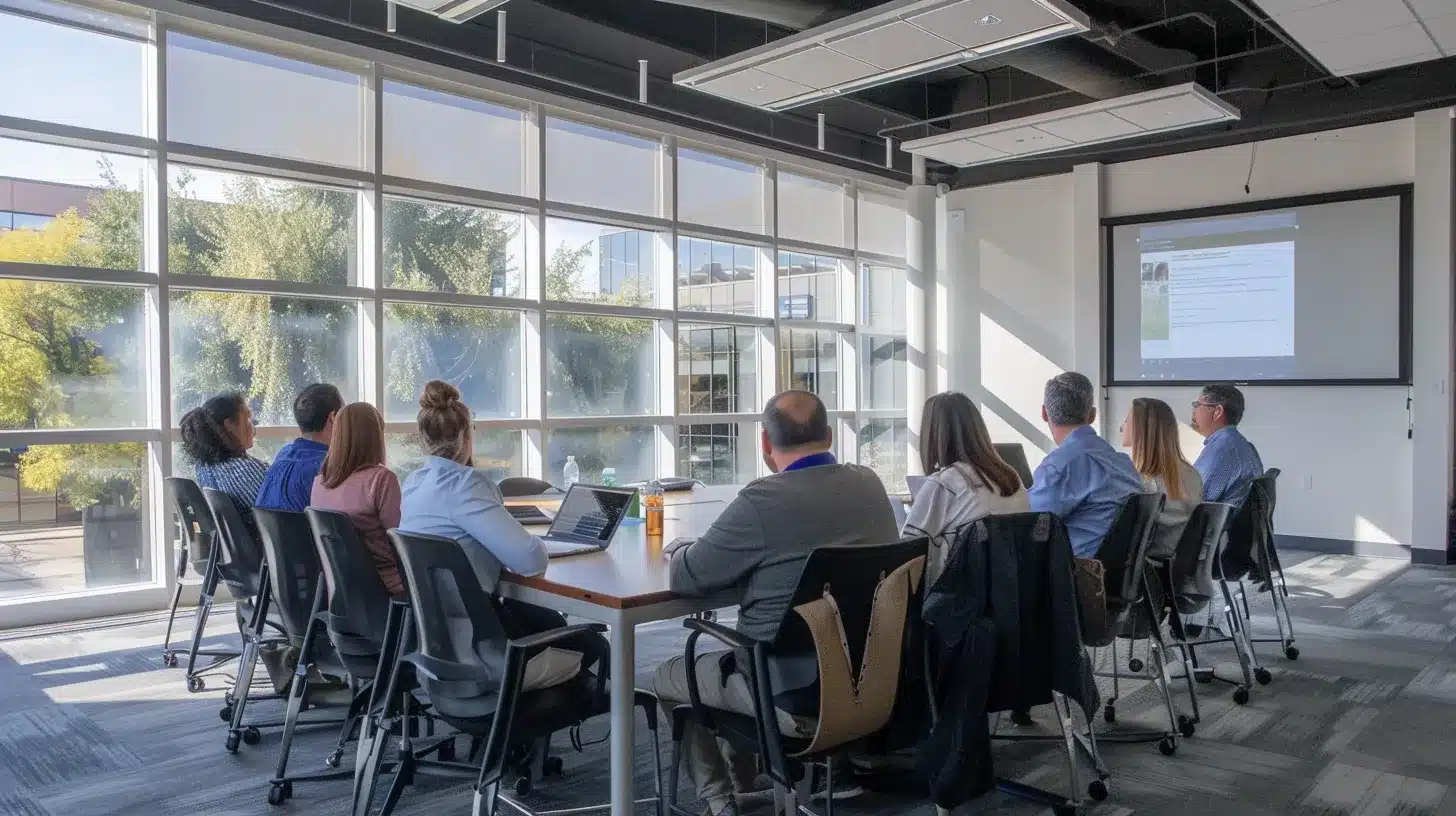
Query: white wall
[{"x": 1013, "y": 266}]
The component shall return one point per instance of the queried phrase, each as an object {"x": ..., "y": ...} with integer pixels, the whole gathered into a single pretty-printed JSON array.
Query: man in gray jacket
[{"x": 757, "y": 546}]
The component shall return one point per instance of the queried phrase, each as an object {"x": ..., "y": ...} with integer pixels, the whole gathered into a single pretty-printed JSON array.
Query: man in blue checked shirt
[
  {"x": 1084, "y": 479},
  {"x": 1229, "y": 463}
]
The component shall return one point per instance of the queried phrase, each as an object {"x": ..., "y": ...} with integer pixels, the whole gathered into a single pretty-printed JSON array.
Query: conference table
[{"x": 624, "y": 586}]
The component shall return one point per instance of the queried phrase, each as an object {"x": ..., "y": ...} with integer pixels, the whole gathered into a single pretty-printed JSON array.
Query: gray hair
[{"x": 1069, "y": 399}]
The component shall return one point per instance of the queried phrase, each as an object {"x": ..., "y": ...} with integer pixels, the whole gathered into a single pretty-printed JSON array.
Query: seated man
[
  {"x": 1083, "y": 480},
  {"x": 1229, "y": 463},
  {"x": 810, "y": 501},
  {"x": 289, "y": 481}
]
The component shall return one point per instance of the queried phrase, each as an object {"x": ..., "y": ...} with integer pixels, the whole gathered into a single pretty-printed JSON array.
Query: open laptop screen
[{"x": 589, "y": 513}]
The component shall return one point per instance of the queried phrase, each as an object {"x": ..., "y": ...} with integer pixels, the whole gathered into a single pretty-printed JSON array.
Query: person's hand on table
[{"x": 675, "y": 545}]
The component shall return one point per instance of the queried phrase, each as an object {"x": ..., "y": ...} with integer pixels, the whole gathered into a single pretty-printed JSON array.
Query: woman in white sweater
[
  {"x": 1151, "y": 433},
  {"x": 966, "y": 478}
]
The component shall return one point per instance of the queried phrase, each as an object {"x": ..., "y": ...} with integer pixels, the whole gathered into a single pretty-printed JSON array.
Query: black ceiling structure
[{"x": 589, "y": 49}]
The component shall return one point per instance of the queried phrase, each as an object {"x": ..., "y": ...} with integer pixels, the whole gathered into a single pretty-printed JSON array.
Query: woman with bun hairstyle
[
  {"x": 216, "y": 438},
  {"x": 448, "y": 497}
]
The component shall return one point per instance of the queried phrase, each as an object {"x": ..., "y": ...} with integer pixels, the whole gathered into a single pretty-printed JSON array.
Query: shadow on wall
[{"x": 1017, "y": 359}]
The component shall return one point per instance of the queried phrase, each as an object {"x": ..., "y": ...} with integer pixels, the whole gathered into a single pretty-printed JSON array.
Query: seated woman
[
  {"x": 215, "y": 440},
  {"x": 1151, "y": 433},
  {"x": 448, "y": 497},
  {"x": 966, "y": 478},
  {"x": 354, "y": 480}
]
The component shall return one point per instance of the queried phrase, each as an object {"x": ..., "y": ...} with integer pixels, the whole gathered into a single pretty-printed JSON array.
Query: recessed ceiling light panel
[
  {"x": 894, "y": 40},
  {"x": 1109, "y": 120}
]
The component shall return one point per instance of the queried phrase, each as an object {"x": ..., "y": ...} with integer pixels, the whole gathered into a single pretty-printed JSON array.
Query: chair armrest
[
  {"x": 447, "y": 672},
  {"x": 731, "y": 637},
  {"x": 541, "y": 640}
]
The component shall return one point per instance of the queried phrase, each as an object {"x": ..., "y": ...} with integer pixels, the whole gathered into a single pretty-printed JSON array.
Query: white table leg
[{"x": 624, "y": 648}]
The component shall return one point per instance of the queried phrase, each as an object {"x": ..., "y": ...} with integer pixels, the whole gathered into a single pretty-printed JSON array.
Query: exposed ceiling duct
[{"x": 792, "y": 14}]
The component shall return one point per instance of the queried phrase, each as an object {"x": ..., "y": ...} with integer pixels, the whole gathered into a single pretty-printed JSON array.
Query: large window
[{"x": 595, "y": 291}]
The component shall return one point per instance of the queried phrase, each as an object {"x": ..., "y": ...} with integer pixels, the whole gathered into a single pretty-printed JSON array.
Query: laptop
[
  {"x": 1013, "y": 454},
  {"x": 528, "y": 514},
  {"x": 587, "y": 520}
]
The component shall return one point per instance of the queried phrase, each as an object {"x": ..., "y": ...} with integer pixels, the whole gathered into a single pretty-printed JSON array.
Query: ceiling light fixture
[
  {"x": 891, "y": 41},
  {"x": 1109, "y": 120},
  {"x": 455, "y": 11}
]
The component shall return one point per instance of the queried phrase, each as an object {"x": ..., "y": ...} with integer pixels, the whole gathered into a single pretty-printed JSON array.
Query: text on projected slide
[{"x": 1219, "y": 289}]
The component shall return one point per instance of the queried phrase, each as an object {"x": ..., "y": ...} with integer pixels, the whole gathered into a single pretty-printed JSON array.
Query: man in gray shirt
[{"x": 758, "y": 546}]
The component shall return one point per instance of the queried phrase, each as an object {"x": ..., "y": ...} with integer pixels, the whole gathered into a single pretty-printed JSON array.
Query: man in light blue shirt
[
  {"x": 1084, "y": 479},
  {"x": 1229, "y": 463}
]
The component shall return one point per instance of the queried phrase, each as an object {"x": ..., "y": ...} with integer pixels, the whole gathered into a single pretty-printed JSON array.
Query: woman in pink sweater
[{"x": 355, "y": 481}]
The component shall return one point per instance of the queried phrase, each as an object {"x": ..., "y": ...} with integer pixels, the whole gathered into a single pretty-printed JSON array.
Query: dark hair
[
  {"x": 444, "y": 421},
  {"x": 1231, "y": 398},
  {"x": 204, "y": 440},
  {"x": 796, "y": 419},
  {"x": 952, "y": 431},
  {"x": 314, "y": 404},
  {"x": 358, "y": 443}
]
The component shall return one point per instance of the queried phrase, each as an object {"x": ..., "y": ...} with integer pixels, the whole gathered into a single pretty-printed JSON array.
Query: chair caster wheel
[
  {"x": 446, "y": 753},
  {"x": 1263, "y": 677},
  {"x": 1167, "y": 747},
  {"x": 1022, "y": 719},
  {"x": 1186, "y": 726},
  {"x": 195, "y": 684},
  {"x": 1065, "y": 810},
  {"x": 1291, "y": 653},
  {"x": 1109, "y": 714},
  {"x": 523, "y": 785},
  {"x": 225, "y": 713},
  {"x": 169, "y": 659},
  {"x": 231, "y": 744},
  {"x": 1241, "y": 696},
  {"x": 553, "y": 766},
  {"x": 1097, "y": 789},
  {"x": 332, "y": 760},
  {"x": 251, "y": 735},
  {"x": 280, "y": 792},
  {"x": 1135, "y": 666}
]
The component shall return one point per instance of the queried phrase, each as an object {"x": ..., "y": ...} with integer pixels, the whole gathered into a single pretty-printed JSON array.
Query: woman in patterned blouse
[{"x": 216, "y": 438}]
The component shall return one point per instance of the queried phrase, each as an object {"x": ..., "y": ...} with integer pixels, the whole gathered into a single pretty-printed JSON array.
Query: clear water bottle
[
  {"x": 609, "y": 477},
  {"x": 571, "y": 474}
]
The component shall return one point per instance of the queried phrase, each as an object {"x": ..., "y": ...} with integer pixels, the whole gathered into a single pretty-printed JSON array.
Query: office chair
[
  {"x": 297, "y": 591},
  {"x": 197, "y": 544},
  {"x": 1256, "y": 521},
  {"x": 475, "y": 678},
  {"x": 515, "y": 486},
  {"x": 854, "y": 598}
]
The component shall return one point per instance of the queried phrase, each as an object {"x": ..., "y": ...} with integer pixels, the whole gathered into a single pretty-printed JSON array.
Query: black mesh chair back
[
  {"x": 293, "y": 568},
  {"x": 1251, "y": 529},
  {"x": 1125, "y": 549},
  {"x": 1198, "y": 550},
  {"x": 357, "y": 609},
  {"x": 456, "y": 620},
  {"x": 190, "y": 508},
  {"x": 514, "y": 486},
  {"x": 241, "y": 562}
]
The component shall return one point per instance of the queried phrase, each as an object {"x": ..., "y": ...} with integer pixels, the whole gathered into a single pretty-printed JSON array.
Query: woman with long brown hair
[
  {"x": 1151, "y": 433},
  {"x": 354, "y": 480},
  {"x": 965, "y": 477}
]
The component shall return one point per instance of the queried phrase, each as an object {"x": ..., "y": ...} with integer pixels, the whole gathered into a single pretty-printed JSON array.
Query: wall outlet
[{"x": 1308, "y": 482}]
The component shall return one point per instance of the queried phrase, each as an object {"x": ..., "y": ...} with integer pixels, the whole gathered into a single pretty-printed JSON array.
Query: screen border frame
[{"x": 1404, "y": 193}]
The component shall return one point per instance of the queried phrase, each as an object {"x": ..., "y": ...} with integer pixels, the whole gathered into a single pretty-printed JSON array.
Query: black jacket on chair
[{"x": 1002, "y": 625}]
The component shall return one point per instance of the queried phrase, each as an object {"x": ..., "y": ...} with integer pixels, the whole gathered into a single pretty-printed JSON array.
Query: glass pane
[
  {"x": 71, "y": 356},
  {"x": 626, "y": 448},
  {"x": 70, "y": 76},
  {"x": 809, "y": 361},
  {"x": 809, "y": 288},
  {"x": 713, "y": 276},
  {"x": 882, "y": 223},
  {"x": 478, "y": 350},
  {"x": 884, "y": 447},
  {"x": 602, "y": 168},
  {"x": 721, "y": 453},
  {"x": 882, "y": 371},
  {"x": 268, "y": 347},
  {"x": 811, "y": 210},
  {"x": 80, "y": 207},
  {"x": 224, "y": 96},
  {"x": 719, "y": 191},
  {"x": 882, "y": 298},
  {"x": 496, "y": 451},
  {"x": 430, "y": 247},
  {"x": 594, "y": 263},
  {"x": 453, "y": 139},
  {"x": 717, "y": 369},
  {"x": 234, "y": 226},
  {"x": 73, "y": 517},
  {"x": 600, "y": 366}
]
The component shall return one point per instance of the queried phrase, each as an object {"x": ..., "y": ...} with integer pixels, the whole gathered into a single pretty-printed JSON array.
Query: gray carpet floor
[{"x": 1364, "y": 722}]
